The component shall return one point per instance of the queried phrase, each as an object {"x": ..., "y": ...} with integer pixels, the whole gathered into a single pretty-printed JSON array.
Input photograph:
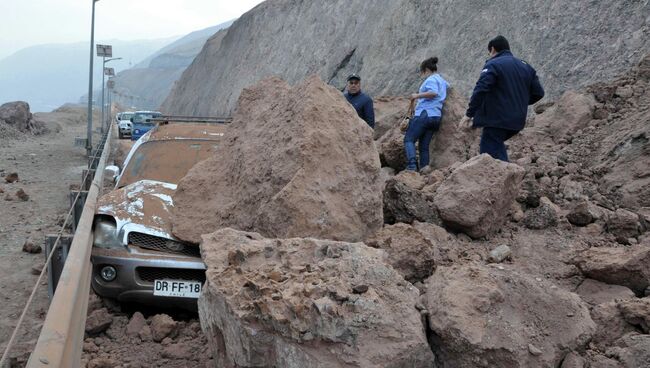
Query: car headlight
[{"x": 106, "y": 233}]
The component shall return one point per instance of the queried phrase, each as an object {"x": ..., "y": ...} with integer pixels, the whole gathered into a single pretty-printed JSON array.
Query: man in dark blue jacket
[
  {"x": 361, "y": 101},
  {"x": 500, "y": 100}
]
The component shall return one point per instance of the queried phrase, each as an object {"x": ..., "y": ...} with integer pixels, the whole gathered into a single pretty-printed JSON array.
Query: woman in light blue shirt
[{"x": 428, "y": 113}]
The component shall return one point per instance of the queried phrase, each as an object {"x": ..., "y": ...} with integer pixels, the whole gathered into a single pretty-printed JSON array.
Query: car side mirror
[
  {"x": 111, "y": 173},
  {"x": 131, "y": 119}
]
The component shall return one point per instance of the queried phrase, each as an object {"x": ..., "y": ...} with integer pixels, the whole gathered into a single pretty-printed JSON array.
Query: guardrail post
[
  {"x": 58, "y": 260},
  {"x": 78, "y": 206},
  {"x": 86, "y": 178}
]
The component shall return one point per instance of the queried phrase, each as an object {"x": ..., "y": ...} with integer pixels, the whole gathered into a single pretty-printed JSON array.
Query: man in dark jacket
[
  {"x": 500, "y": 100},
  {"x": 361, "y": 101}
]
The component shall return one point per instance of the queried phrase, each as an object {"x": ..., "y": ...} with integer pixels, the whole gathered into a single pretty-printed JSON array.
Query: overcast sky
[{"x": 32, "y": 22}]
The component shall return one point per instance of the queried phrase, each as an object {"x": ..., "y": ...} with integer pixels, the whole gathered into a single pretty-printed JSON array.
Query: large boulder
[
  {"x": 294, "y": 164},
  {"x": 16, "y": 114},
  {"x": 449, "y": 145},
  {"x": 572, "y": 112},
  {"x": 494, "y": 316},
  {"x": 298, "y": 303},
  {"x": 627, "y": 266},
  {"x": 476, "y": 197},
  {"x": 413, "y": 250}
]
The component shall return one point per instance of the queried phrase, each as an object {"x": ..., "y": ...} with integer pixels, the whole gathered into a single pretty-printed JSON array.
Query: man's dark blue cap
[{"x": 354, "y": 76}]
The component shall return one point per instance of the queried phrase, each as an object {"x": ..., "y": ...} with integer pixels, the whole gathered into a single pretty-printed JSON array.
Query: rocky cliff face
[
  {"x": 146, "y": 85},
  {"x": 570, "y": 43}
]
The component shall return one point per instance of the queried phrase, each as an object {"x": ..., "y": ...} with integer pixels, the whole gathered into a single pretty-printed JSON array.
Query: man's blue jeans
[
  {"x": 493, "y": 142},
  {"x": 421, "y": 129}
]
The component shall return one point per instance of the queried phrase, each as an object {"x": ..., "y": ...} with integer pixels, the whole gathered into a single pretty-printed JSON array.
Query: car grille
[
  {"x": 164, "y": 245},
  {"x": 150, "y": 274}
]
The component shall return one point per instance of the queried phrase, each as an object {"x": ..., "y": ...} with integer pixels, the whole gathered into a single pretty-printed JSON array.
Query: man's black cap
[{"x": 354, "y": 76}]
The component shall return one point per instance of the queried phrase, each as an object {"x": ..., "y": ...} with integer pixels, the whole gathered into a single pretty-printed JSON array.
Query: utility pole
[
  {"x": 108, "y": 51},
  {"x": 89, "y": 132}
]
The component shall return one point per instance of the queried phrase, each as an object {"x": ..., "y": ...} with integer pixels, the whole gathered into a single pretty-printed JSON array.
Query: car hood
[{"x": 144, "y": 206}]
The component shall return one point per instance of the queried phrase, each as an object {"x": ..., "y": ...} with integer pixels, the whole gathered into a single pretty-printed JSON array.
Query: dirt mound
[
  {"x": 494, "y": 316},
  {"x": 294, "y": 164},
  {"x": 307, "y": 303}
]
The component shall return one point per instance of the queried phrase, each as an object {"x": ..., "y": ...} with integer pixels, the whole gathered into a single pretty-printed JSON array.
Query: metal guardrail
[
  {"x": 61, "y": 339},
  {"x": 190, "y": 119}
]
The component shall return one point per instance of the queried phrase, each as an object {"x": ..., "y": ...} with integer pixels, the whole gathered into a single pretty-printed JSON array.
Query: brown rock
[
  {"x": 37, "y": 269},
  {"x": 411, "y": 250},
  {"x": 636, "y": 312},
  {"x": 573, "y": 360},
  {"x": 500, "y": 254},
  {"x": 177, "y": 351},
  {"x": 572, "y": 112},
  {"x": 403, "y": 203},
  {"x": 98, "y": 321},
  {"x": 22, "y": 195},
  {"x": 318, "y": 319},
  {"x": 162, "y": 326},
  {"x": 10, "y": 178},
  {"x": 596, "y": 292},
  {"x": 623, "y": 224},
  {"x": 545, "y": 215},
  {"x": 103, "y": 362},
  {"x": 30, "y": 247},
  {"x": 135, "y": 325},
  {"x": 8, "y": 198},
  {"x": 476, "y": 197},
  {"x": 145, "y": 334},
  {"x": 412, "y": 179},
  {"x": 632, "y": 350},
  {"x": 583, "y": 213},
  {"x": 627, "y": 266},
  {"x": 90, "y": 347},
  {"x": 307, "y": 166},
  {"x": 495, "y": 313}
]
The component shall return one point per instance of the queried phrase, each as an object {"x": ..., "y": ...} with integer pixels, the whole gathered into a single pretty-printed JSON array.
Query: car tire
[{"x": 120, "y": 135}]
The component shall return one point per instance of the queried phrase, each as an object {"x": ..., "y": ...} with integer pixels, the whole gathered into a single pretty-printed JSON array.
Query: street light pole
[
  {"x": 89, "y": 132},
  {"x": 103, "y": 72},
  {"x": 104, "y": 61}
]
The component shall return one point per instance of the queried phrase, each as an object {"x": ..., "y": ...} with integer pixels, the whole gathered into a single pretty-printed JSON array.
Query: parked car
[
  {"x": 135, "y": 257},
  {"x": 141, "y": 123},
  {"x": 124, "y": 125}
]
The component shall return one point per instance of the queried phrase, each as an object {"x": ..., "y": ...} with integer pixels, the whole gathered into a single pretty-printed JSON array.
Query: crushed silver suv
[{"x": 135, "y": 257}]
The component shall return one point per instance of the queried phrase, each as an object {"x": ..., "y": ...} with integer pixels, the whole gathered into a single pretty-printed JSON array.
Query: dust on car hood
[{"x": 146, "y": 203}]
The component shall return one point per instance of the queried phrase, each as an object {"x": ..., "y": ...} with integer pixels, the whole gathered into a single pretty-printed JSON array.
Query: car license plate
[{"x": 177, "y": 288}]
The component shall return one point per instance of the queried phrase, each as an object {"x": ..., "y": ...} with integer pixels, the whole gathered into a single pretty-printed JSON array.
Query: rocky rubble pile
[
  {"x": 543, "y": 262},
  {"x": 117, "y": 339}
]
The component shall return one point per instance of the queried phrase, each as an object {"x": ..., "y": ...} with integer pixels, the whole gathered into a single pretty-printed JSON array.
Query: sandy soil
[{"x": 46, "y": 165}]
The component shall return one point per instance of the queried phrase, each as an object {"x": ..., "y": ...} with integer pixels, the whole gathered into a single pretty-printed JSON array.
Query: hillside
[
  {"x": 48, "y": 76},
  {"x": 147, "y": 84},
  {"x": 571, "y": 45}
]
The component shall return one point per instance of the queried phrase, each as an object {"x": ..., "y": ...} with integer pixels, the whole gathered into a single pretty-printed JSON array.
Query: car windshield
[
  {"x": 142, "y": 117},
  {"x": 126, "y": 116},
  {"x": 166, "y": 161}
]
